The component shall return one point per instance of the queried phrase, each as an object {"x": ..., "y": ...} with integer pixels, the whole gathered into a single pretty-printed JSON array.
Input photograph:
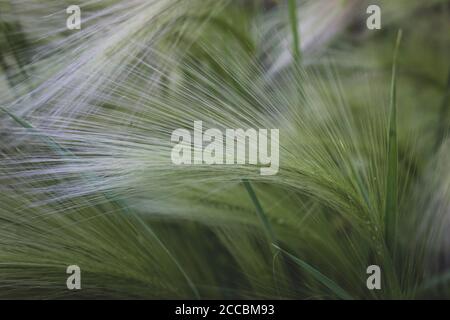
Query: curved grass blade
[
  {"x": 330, "y": 284},
  {"x": 260, "y": 212}
]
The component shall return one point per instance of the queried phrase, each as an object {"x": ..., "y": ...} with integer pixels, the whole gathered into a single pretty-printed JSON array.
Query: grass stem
[{"x": 292, "y": 7}]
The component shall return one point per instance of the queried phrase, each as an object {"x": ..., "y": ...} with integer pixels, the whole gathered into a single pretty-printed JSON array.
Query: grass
[
  {"x": 123, "y": 208},
  {"x": 86, "y": 176},
  {"x": 327, "y": 282},
  {"x": 294, "y": 29},
  {"x": 260, "y": 212},
  {"x": 391, "y": 211}
]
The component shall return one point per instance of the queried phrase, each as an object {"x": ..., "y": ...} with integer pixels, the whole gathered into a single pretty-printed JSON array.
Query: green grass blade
[
  {"x": 391, "y": 211},
  {"x": 330, "y": 284},
  {"x": 19, "y": 120},
  {"x": 49, "y": 141},
  {"x": 260, "y": 212},
  {"x": 171, "y": 256},
  {"x": 294, "y": 29}
]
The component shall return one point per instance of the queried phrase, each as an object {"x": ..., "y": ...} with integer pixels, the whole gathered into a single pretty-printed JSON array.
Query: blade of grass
[
  {"x": 391, "y": 213},
  {"x": 49, "y": 141},
  {"x": 268, "y": 230},
  {"x": 330, "y": 284},
  {"x": 260, "y": 212},
  {"x": 294, "y": 29}
]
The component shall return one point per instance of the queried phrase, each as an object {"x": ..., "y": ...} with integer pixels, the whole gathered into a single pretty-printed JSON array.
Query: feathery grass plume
[{"x": 141, "y": 227}]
